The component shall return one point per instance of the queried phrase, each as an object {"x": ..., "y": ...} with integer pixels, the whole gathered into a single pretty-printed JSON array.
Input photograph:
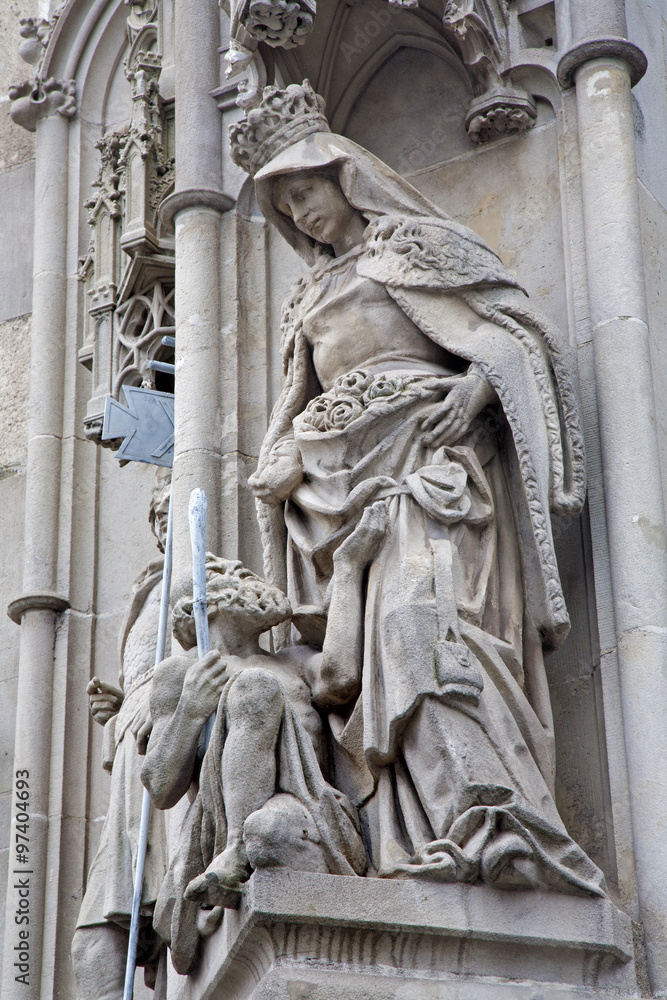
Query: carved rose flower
[
  {"x": 353, "y": 384},
  {"x": 327, "y": 413},
  {"x": 315, "y": 414},
  {"x": 383, "y": 387},
  {"x": 344, "y": 410}
]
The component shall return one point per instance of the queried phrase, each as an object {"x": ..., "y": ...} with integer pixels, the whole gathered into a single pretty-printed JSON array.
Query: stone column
[
  {"x": 195, "y": 209},
  {"x": 604, "y": 70},
  {"x": 38, "y": 608}
]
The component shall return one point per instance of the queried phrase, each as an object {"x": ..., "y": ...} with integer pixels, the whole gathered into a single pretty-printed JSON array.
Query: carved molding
[
  {"x": 141, "y": 323},
  {"x": 480, "y": 41},
  {"x": 479, "y": 30},
  {"x": 615, "y": 48},
  {"x": 129, "y": 331},
  {"x": 498, "y": 108},
  {"x": 40, "y": 601},
  {"x": 107, "y": 183},
  {"x": 193, "y": 198}
]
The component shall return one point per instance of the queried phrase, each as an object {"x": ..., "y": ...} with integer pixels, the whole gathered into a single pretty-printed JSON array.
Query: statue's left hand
[{"x": 450, "y": 419}]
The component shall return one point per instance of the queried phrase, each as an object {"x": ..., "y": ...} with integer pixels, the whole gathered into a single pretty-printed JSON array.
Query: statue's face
[{"x": 317, "y": 205}]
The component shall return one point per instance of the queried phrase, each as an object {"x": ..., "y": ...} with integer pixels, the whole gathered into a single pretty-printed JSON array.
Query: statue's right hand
[
  {"x": 105, "y": 700},
  {"x": 203, "y": 684}
]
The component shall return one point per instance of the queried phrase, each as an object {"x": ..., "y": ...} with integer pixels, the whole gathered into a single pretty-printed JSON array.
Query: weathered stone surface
[
  {"x": 353, "y": 218},
  {"x": 16, "y": 199},
  {"x": 443, "y": 746},
  {"x": 14, "y": 344}
]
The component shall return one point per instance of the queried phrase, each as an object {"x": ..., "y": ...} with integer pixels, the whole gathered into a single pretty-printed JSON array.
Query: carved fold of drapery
[{"x": 128, "y": 270}]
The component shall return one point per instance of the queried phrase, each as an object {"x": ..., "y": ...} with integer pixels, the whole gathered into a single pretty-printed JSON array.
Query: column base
[{"x": 302, "y": 936}]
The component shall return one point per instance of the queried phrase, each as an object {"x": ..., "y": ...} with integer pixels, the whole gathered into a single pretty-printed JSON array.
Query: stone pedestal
[{"x": 301, "y": 936}]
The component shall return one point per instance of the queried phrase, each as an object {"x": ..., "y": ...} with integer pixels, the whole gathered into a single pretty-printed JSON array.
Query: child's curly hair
[{"x": 233, "y": 588}]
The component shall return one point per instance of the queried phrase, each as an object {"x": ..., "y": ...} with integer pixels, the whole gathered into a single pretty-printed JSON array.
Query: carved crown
[{"x": 282, "y": 118}]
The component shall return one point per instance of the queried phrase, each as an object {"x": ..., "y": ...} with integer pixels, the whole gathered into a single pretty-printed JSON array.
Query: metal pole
[
  {"x": 197, "y": 518},
  {"x": 130, "y": 967}
]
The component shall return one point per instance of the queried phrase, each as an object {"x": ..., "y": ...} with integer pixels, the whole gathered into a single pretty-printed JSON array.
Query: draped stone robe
[{"x": 449, "y": 748}]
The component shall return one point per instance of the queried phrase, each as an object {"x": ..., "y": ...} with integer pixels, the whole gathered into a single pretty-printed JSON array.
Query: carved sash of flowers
[{"x": 350, "y": 396}]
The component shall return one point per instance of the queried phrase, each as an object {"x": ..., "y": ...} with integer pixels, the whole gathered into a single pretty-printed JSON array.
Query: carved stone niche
[
  {"x": 300, "y": 934},
  {"x": 128, "y": 272}
]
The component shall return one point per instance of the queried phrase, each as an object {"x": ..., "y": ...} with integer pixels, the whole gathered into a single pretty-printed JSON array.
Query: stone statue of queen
[{"x": 417, "y": 375}]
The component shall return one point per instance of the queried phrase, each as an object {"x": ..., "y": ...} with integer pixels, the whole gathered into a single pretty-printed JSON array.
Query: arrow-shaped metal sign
[{"x": 146, "y": 423}]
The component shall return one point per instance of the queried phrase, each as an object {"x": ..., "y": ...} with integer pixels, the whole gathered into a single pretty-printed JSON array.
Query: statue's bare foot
[{"x": 221, "y": 883}]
